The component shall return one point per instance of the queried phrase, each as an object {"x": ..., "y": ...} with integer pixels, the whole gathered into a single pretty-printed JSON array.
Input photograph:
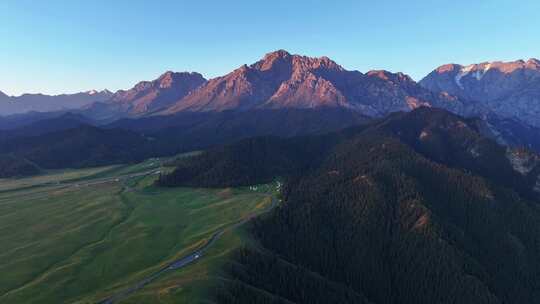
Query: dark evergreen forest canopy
[{"x": 416, "y": 208}]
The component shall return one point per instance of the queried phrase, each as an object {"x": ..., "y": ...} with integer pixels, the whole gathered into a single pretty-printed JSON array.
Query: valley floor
[{"x": 82, "y": 236}]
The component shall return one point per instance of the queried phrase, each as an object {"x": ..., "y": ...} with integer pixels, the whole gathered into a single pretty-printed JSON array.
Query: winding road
[{"x": 184, "y": 261}]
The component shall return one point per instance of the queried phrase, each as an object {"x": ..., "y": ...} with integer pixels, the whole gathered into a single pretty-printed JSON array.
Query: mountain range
[
  {"x": 147, "y": 96},
  {"x": 25, "y": 103},
  {"x": 282, "y": 94},
  {"x": 280, "y": 80},
  {"x": 507, "y": 89}
]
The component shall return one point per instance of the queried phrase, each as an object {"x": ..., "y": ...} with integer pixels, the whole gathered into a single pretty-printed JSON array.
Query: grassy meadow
[{"x": 81, "y": 235}]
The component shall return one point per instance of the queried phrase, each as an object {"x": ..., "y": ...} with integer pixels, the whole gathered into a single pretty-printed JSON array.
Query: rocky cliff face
[
  {"x": 148, "y": 96},
  {"x": 507, "y": 89},
  {"x": 281, "y": 80}
]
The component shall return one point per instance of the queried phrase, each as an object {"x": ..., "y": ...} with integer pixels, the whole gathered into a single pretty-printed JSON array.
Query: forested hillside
[
  {"x": 12, "y": 166},
  {"x": 70, "y": 140},
  {"x": 252, "y": 161},
  {"x": 416, "y": 208},
  {"x": 82, "y": 146}
]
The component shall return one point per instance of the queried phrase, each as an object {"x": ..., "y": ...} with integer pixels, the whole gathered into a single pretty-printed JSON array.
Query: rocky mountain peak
[
  {"x": 448, "y": 68},
  {"x": 104, "y": 93},
  {"x": 148, "y": 96},
  {"x": 166, "y": 80},
  {"x": 142, "y": 85},
  {"x": 507, "y": 89},
  {"x": 282, "y": 80},
  {"x": 280, "y": 60},
  {"x": 505, "y": 67},
  {"x": 303, "y": 63},
  {"x": 389, "y": 76},
  {"x": 479, "y": 69},
  {"x": 283, "y": 61},
  {"x": 533, "y": 63},
  {"x": 279, "y": 54},
  {"x": 242, "y": 69}
]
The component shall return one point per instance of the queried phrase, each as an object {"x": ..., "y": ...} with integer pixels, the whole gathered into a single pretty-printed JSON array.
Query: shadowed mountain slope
[{"x": 418, "y": 207}]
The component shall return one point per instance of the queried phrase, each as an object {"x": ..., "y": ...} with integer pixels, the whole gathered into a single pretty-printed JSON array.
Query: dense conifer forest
[{"x": 415, "y": 208}]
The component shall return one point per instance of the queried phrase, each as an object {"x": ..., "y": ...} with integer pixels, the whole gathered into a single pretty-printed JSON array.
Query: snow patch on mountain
[
  {"x": 522, "y": 160},
  {"x": 464, "y": 71},
  {"x": 477, "y": 71}
]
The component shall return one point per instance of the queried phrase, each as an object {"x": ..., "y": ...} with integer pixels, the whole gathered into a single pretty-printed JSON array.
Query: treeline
[{"x": 251, "y": 161}]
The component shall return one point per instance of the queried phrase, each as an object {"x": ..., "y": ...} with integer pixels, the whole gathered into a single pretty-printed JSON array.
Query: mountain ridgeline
[
  {"x": 71, "y": 140},
  {"x": 26, "y": 103},
  {"x": 279, "y": 80},
  {"x": 283, "y": 81},
  {"x": 506, "y": 89},
  {"x": 146, "y": 97},
  {"x": 281, "y": 94},
  {"x": 417, "y": 207},
  {"x": 81, "y": 146}
]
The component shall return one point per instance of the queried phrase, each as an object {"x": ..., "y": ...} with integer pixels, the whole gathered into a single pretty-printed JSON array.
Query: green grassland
[
  {"x": 52, "y": 177},
  {"x": 82, "y": 235}
]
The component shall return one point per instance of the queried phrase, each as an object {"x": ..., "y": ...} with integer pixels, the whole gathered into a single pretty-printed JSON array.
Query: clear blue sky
[{"x": 73, "y": 45}]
